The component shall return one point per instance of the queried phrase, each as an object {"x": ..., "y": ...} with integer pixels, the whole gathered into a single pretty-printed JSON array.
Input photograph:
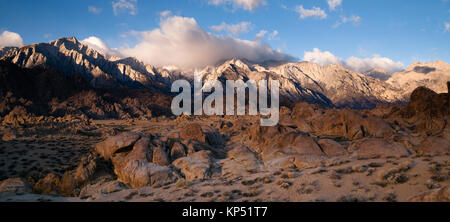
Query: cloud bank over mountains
[
  {"x": 322, "y": 58},
  {"x": 356, "y": 64},
  {"x": 363, "y": 65},
  {"x": 180, "y": 41}
]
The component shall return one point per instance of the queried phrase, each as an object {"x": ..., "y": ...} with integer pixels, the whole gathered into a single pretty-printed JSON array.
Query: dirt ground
[{"x": 36, "y": 152}]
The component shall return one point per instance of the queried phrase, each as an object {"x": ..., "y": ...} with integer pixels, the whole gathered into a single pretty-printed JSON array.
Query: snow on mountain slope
[
  {"x": 431, "y": 75},
  {"x": 70, "y": 56},
  {"x": 342, "y": 86},
  {"x": 330, "y": 85},
  {"x": 239, "y": 70}
]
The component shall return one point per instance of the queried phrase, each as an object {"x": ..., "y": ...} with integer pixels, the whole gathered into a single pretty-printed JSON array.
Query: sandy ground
[{"x": 338, "y": 179}]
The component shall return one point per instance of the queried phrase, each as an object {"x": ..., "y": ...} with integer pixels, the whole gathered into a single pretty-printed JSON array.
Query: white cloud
[
  {"x": 261, "y": 34},
  {"x": 356, "y": 20},
  {"x": 377, "y": 62},
  {"x": 321, "y": 58},
  {"x": 165, "y": 13},
  {"x": 333, "y": 4},
  {"x": 447, "y": 26},
  {"x": 272, "y": 36},
  {"x": 181, "y": 42},
  {"x": 99, "y": 45},
  {"x": 314, "y": 12},
  {"x": 249, "y": 5},
  {"x": 360, "y": 65},
  {"x": 128, "y": 6},
  {"x": 95, "y": 10},
  {"x": 234, "y": 29},
  {"x": 8, "y": 38}
]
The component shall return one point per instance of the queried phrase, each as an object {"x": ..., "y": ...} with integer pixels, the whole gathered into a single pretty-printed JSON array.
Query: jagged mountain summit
[
  {"x": 48, "y": 92},
  {"x": 6, "y": 50},
  {"x": 342, "y": 86},
  {"x": 431, "y": 75},
  {"x": 330, "y": 86},
  {"x": 242, "y": 70},
  {"x": 70, "y": 56}
]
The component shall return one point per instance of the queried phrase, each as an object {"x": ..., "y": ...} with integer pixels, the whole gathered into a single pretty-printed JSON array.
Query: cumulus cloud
[
  {"x": 8, "y": 38},
  {"x": 322, "y": 58},
  {"x": 333, "y": 4},
  {"x": 95, "y": 10},
  {"x": 377, "y": 62},
  {"x": 129, "y": 6},
  {"x": 356, "y": 20},
  {"x": 314, "y": 12},
  {"x": 99, "y": 45},
  {"x": 248, "y": 5},
  {"x": 235, "y": 29},
  {"x": 361, "y": 65},
  {"x": 180, "y": 41}
]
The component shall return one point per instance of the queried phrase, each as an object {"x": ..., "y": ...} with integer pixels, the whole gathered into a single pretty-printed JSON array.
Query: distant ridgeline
[{"x": 329, "y": 86}]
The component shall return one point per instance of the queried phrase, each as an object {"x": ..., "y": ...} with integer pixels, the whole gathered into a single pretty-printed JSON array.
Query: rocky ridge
[
  {"x": 431, "y": 75},
  {"x": 6, "y": 50},
  {"x": 69, "y": 56},
  {"x": 331, "y": 85},
  {"x": 49, "y": 93}
]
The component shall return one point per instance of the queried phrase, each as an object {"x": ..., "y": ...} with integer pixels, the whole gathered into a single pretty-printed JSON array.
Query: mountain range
[{"x": 330, "y": 85}]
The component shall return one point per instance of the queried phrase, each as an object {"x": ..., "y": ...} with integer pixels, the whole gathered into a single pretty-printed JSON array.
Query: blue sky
[{"x": 402, "y": 30}]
